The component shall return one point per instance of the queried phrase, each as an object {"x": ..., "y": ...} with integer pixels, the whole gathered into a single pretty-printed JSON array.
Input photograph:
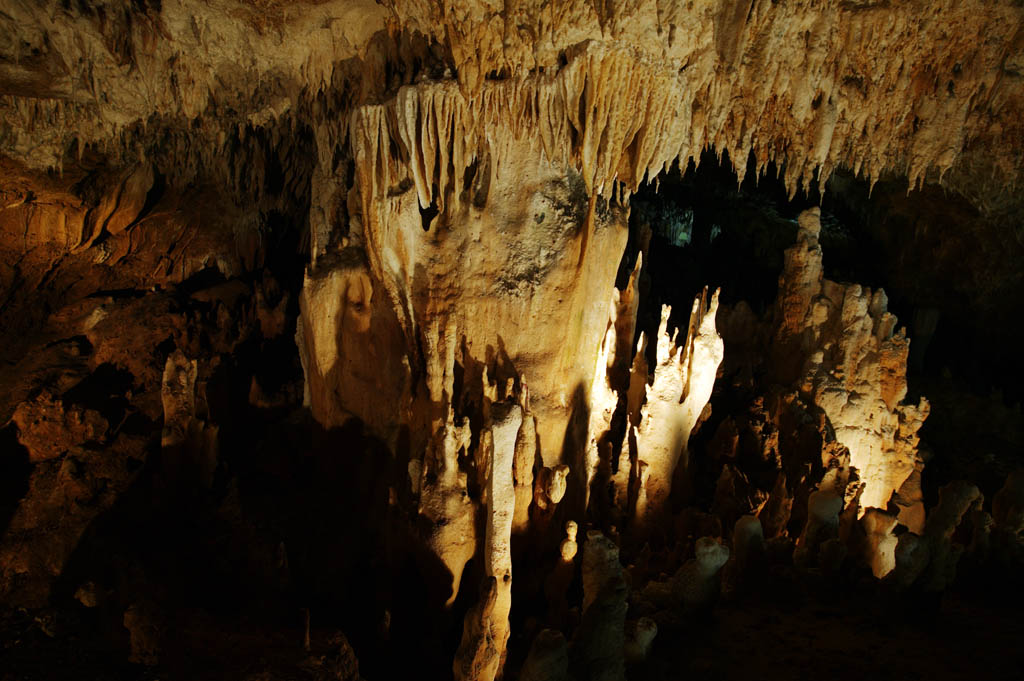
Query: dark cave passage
[{"x": 708, "y": 230}]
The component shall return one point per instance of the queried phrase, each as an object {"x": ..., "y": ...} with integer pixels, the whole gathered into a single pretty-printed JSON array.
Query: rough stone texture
[
  {"x": 453, "y": 181},
  {"x": 683, "y": 378},
  {"x": 444, "y": 502},
  {"x": 548, "y": 659},
  {"x": 808, "y": 81},
  {"x": 838, "y": 342}
]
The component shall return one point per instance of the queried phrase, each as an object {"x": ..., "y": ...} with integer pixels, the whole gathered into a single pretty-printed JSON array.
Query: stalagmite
[
  {"x": 683, "y": 379},
  {"x": 837, "y": 342},
  {"x": 822, "y": 525},
  {"x": 549, "y": 487},
  {"x": 696, "y": 585},
  {"x": 611, "y": 379},
  {"x": 548, "y": 659},
  {"x": 598, "y": 647},
  {"x": 601, "y": 565},
  {"x": 482, "y": 653},
  {"x": 484, "y": 635},
  {"x": 523, "y": 462},
  {"x": 640, "y": 637},
  {"x": 910, "y": 560},
  {"x": 444, "y": 501},
  {"x": 956, "y": 500},
  {"x": 880, "y": 550},
  {"x": 603, "y": 401},
  {"x": 747, "y": 548},
  {"x": 179, "y": 398},
  {"x": 557, "y": 583},
  {"x": 190, "y": 445}
]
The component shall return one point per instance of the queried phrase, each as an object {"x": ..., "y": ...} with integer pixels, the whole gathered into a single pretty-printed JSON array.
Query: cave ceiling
[{"x": 621, "y": 89}]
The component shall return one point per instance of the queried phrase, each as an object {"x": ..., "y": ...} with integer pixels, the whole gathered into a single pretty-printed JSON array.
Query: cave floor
[
  {"x": 787, "y": 632},
  {"x": 843, "y": 636}
]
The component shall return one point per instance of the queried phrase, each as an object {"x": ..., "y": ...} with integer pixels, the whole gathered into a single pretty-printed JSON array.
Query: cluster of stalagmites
[
  {"x": 823, "y": 468},
  {"x": 460, "y": 297}
]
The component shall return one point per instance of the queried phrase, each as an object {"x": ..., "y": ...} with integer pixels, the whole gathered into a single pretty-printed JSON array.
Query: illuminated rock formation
[
  {"x": 481, "y": 652},
  {"x": 837, "y": 342},
  {"x": 698, "y": 75},
  {"x": 513, "y": 273},
  {"x": 681, "y": 386},
  {"x": 501, "y": 499},
  {"x": 433, "y": 200},
  {"x": 822, "y": 525},
  {"x": 880, "y": 550},
  {"x": 444, "y": 502},
  {"x": 189, "y": 445}
]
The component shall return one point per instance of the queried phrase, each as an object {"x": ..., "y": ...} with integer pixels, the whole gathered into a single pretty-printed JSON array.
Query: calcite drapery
[{"x": 795, "y": 83}]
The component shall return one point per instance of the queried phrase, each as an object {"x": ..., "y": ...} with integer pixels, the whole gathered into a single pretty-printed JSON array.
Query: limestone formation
[
  {"x": 523, "y": 463},
  {"x": 597, "y": 650},
  {"x": 823, "y": 509},
  {"x": 813, "y": 110},
  {"x": 1008, "y": 505},
  {"x": 189, "y": 444},
  {"x": 346, "y": 300},
  {"x": 837, "y": 341},
  {"x": 444, "y": 502},
  {"x": 910, "y": 560},
  {"x": 483, "y": 638},
  {"x": 46, "y": 428},
  {"x": 500, "y": 512},
  {"x": 748, "y": 549},
  {"x": 601, "y": 566},
  {"x": 548, "y": 659},
  {"x": 639, "y": 639},
  {"x": 956, "y": 500},
  {"x": 683, "y": 378},
  {"x": 696, "y": 585},
  {"x": 557, "y": 583},
  {"x": 881, "y": 543}
]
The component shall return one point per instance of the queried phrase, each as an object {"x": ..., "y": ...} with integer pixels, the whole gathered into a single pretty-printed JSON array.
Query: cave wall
[{"x": 409, "y": 219}]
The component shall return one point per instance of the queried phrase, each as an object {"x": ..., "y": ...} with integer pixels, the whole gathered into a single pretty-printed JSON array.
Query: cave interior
[{"x": 526, "y": 340}]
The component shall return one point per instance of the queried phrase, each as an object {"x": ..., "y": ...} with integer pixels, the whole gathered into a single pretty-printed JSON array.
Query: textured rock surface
[
  {"x": 682, "y": 381},
  {"x": 809, "y": 80},
  {"x": 315, "y": 303},
  {"x": 838, "y": 342}
]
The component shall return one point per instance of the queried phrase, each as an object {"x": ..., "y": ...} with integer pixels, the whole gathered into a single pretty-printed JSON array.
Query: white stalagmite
[
  {"x": 525, "y": 453},
  {"x": 603, "y": 401},
  {"x": 683, "y": 379},
  {"x": 506, "y": 421}
]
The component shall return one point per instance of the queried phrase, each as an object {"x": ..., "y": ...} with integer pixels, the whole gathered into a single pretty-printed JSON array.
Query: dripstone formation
[{"x": 332, "y": 344}]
